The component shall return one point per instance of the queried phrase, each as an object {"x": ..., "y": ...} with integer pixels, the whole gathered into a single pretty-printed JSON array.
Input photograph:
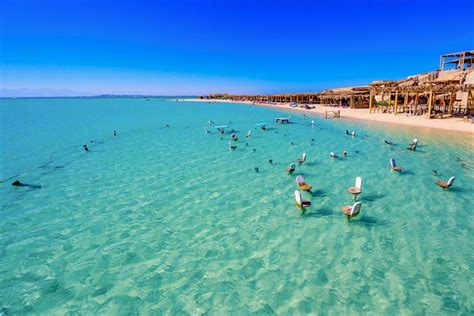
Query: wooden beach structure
[{"x": 446, "y": 92}]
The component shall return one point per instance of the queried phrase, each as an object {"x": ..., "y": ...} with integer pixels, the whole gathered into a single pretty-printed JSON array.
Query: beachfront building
[
  {"x": 353, "y": 97},
  {"x": 446, "y": 92},
  {"x": 438, "y": 94}
]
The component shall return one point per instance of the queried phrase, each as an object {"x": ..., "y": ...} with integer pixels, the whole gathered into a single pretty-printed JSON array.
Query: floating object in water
[
  {"x": 17, "y": 183},
  {"x": 282, "y": 120},
  {"x": 232, "y": 146},
  {"x": 333, "y": 155},
  {"x": 248, "y": 134},
  {"x": 302, "y": 158},
  {"x": 352, "y": 211},
  {"x": 256, "y": 169},
  {"x": 357, "y": 188},
  {"x": 302, "y": 184},
  {"x": 85, "y": 147},
  {"x": 446, "y": 185},
  {"x": 414, "y": 142},
  {"x": 302, "y": 204},
  {"x": 291, "y": 168},
  {"x": 394, "y": 166},
  {"x": 221, "y": 128},
  {"x": 262, "y": 125}
]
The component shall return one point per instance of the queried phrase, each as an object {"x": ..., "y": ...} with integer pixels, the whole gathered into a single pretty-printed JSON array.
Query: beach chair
[
  {"x": 352, "y": 211},
  {"x": 414, "y": 142},
  {"x": 291, "y": 168},
  {"x": 394, "y": 166},
  {"x": 302, "y": 158},
  {"x": 299, "y": 202},
  {"x": 357, "y": 188},
  {"x": 446, "y": 185},
  {"x": 302, "y": 184}
]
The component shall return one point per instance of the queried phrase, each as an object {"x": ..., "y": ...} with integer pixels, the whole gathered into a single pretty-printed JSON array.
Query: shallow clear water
[{"x": 170, "y": 220}]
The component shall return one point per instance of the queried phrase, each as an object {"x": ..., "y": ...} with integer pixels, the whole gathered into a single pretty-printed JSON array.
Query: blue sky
[{"x": 200, "y": 47}]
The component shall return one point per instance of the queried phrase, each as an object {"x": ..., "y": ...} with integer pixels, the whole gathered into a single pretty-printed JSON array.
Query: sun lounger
[
  {"x": 302, "y": 158},
  {"x": 302, "y": 184},
  {"x": 352, "y": 211},
  {"x": 446, "y": 185},
  {"x": 291, "y": 168},
  {"x": 357, "y": 188},
  {"x": 394, "y": 166},
  {"x": 299, "y": 202}
]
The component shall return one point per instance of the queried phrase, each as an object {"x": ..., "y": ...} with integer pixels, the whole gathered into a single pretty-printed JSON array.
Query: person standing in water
[
  {"x": 115, "y": 133},
  {"x": 85, "y": 147}
]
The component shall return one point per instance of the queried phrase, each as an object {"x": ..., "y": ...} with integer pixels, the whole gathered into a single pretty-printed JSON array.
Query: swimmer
[
  {"x": 333, "y": 155},
  {"x": 246, "y": 144},
  {"x": 353, "y": 134},
  {"x": 205, "y": 130},
  {"x": 85, "y": 147},
  {"x": 17, "y": 183},
  {"x": 412, "y": 147},
  {"x": 234, "y": 137},
  {"x": 292, "y": 143},
  {"x": 387, "y": 142},
  {"x": 347, "y": 132},
  {"x": 434, "y": 172},
  {"x": 210, "y": 122},
  {"x": 115, "y": 133},
  {"x": 312, "y": 122},
  {"x": 248, "y": 134},
  {"x": 270, "y": 161},
  {"x": 166, "y": 125},
  {"x": 254, "y": 150},
  {"x": 256, "y": 170},
  {"x": 344, "y": 153}
]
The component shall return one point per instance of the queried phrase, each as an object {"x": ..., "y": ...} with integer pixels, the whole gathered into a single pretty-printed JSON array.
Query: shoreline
[{"x": 448, "y": 124}]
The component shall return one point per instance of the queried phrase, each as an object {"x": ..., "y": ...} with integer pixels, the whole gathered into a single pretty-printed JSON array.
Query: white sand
[{"x": 451, "y": 124}]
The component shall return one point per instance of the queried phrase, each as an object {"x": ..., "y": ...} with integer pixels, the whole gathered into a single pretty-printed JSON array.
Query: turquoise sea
[{"x": 169, "y": 220}]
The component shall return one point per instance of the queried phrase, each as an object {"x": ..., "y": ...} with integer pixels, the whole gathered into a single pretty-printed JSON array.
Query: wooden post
[
  {"x": 451, "y": 101},
  {"x": 405, "y": 103},
  {"x": 370, "y": 101},
  {"x": 430, "y": 101},
  {"x": 395, "y": 106},
  {"x": 416, "y": 104},
  {"x": 389, "y": 99}
]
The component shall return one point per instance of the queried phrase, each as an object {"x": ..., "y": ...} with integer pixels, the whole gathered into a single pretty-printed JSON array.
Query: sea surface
[{"x": 169, "y": 220}]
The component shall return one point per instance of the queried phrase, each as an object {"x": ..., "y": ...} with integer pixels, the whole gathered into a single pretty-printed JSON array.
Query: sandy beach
[{"x": 451, "y": 124}]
